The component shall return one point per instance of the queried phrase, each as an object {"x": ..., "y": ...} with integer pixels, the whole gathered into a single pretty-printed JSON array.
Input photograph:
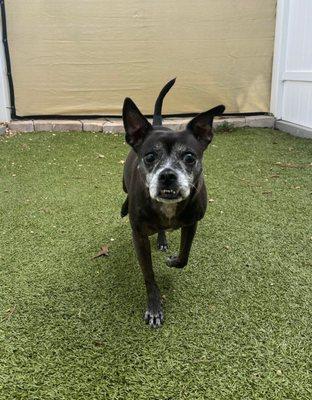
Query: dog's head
[{"x": 170, "y": 162}]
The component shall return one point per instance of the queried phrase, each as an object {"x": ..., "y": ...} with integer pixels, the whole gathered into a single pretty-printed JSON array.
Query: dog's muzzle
[{"x": 168, "y": 186}]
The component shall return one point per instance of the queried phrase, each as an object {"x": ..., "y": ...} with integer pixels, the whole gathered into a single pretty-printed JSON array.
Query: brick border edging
[
  {"x": 115, "y": 125},
  {"x": 294, "y": 129}
]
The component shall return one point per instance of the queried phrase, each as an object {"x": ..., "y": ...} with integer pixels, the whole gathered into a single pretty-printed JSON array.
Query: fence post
[
  {"x": 278, "y": 68},
  {"x": 5, "y": 103}
]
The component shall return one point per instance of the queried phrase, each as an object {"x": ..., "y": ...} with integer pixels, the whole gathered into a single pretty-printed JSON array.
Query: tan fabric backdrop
[{"x": 82, "y": 57}]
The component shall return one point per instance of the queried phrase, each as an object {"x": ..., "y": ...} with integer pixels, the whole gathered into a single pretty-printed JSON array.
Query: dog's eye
[
  {"x": 150, "y": 158},
  {"x": 188, "y": 158}
]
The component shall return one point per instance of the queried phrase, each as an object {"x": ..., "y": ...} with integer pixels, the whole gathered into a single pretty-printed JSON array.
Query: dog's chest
[{"x": 168, "y": 210}]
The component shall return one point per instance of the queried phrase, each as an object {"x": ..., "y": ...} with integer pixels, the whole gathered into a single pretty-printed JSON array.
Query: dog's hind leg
[
  {"x": 187, "y": 236},
  {"x": 162, "y": 243},
  {"x": 124, "y": 185},
  {"x": 124, "y": 208}
]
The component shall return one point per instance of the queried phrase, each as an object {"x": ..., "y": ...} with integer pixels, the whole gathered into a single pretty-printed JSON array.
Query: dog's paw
[
  {"x": 162, "y": 246},
  {"x": 154, "y": 318},
  {"x": 175, "y": 262}
]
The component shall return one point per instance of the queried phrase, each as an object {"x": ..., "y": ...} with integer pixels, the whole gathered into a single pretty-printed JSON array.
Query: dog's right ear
[{"x": 136, "y": 125}]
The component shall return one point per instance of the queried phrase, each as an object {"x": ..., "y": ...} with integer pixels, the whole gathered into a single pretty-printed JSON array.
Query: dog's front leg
[
  {"x": 187, "y": 236},
  {"x": 154, "y": 314}
]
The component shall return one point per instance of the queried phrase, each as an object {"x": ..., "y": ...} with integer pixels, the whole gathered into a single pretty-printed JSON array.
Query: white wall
[
  {"x": 291, "y": 96},
  {"x": 5, "y": 108}
]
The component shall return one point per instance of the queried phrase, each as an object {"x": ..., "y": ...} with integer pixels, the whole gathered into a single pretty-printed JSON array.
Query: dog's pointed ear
[
  {"x": 201, "y": 125},
  {"x": 136, "y": 125}
]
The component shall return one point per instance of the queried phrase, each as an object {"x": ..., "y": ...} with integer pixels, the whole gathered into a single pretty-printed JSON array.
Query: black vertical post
[{"x": 7, "y": 58}]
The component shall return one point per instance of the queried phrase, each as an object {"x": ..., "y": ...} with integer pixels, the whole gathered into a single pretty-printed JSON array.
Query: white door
[{"x": 291, "y": 98}]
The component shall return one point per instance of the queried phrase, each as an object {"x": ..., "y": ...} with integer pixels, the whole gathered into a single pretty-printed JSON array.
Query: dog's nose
[{"x": 167, "y": 176}]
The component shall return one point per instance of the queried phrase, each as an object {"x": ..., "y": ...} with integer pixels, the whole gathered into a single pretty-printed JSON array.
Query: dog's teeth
[{"x": 168, "y": 191}]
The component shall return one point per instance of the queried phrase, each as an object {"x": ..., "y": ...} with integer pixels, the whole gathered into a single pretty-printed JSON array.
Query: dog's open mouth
[{"x": 169, "y": 195}]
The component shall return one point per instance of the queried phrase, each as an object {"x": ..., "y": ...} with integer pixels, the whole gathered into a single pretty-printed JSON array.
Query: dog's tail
[{"x": 157, "y": 118}]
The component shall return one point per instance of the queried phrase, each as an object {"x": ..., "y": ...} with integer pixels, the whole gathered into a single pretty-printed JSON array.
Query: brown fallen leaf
[
  {"x": 247, "y": 183},
  {"x": 292, "y": 165},
  {"x": 9, "y": 312},
  {"x": 102, "y": 253},
  {"x": 98, "y": 343}
]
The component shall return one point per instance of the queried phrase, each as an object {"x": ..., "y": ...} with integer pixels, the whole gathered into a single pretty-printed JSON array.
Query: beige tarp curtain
[{"x": 82, "y": 57}]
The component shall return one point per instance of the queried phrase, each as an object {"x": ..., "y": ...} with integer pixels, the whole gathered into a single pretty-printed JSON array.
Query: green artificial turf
[{"x": 237, "y": 318}]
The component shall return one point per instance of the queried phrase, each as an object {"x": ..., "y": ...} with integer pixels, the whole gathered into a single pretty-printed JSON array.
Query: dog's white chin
[{"x": 162, "y": 200}]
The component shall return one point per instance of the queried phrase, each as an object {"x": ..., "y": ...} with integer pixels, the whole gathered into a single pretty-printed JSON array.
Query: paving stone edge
[{"x": 116, "y": 126}]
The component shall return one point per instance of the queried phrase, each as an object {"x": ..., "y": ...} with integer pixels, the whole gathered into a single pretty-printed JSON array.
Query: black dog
[{"x": 165, "y": 186}]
